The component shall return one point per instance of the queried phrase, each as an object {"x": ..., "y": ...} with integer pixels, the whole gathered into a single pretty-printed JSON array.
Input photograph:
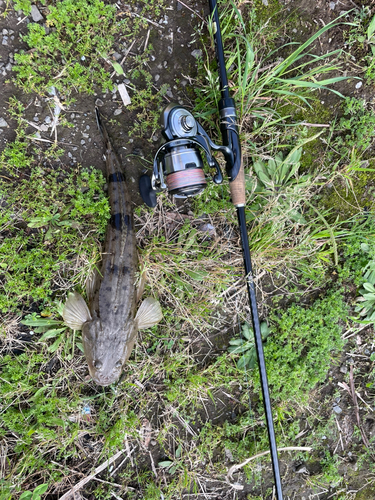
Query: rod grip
[{"x": 237, "y": 188}]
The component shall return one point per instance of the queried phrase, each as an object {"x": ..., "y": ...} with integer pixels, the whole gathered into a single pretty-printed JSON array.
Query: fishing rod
[
  {"x": 237, "y": 188},
  {"x": 179, "y": 169}
]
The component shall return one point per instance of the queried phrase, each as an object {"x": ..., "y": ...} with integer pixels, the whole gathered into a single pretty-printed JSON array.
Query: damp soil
[{"x": 173, "y": 63}]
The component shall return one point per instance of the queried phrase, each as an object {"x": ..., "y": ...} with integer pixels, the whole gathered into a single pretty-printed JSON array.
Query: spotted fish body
[{"x": 110, "y": 325}]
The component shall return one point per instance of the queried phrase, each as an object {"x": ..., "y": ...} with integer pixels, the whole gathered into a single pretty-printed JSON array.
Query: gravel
[
  {"x": 3, "y": 123},
  {"x": 35, "y": 14},
  {"x": 208, "y": 228},
  {"x": 197, "y": 53},
  {"x": 337, "y": 409}
]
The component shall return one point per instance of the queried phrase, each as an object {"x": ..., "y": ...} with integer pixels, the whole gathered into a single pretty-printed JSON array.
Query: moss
[
  {"x": 318, "y": 113},
  {"x": 356, "y": 478},
  {"x": 287, "y": 22},
  {"x": 345, "y": 202},
  {"x": 365, "y": 494},
  {"x": 264, "y": 12}
]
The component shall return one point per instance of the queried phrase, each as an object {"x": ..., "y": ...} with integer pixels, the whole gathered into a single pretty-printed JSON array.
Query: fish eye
[
  {"x": 98, "y": 364},
  {"x": 118, "y": 364}
]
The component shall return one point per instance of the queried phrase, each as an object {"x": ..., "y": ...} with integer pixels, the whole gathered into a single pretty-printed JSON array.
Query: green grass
[
  {"x": 300, "y": 351},
  {"x": 47, "y": 226},
  {"x": 357, "y": 125},
  {"x": 55, "y": 420}
]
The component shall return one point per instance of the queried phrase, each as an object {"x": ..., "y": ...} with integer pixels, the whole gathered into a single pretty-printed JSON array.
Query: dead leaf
[{"x": 145, "y": 433}]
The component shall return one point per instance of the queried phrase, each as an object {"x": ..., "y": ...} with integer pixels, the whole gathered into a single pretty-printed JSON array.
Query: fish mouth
[
  {"x": 101, "y": 379},
  {"x": 104, "y": 381}
]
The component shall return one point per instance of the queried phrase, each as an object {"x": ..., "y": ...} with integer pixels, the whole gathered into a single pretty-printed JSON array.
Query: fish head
[{"x": 107, "y": 350}]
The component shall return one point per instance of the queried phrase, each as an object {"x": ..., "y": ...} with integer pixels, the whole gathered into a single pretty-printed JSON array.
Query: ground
[
  {"x": 180, "y": 413},
  {"x": 173, "y": 37}
]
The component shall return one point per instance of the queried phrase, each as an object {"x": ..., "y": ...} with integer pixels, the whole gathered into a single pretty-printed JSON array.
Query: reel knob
[{"x": 148, "y": 195}]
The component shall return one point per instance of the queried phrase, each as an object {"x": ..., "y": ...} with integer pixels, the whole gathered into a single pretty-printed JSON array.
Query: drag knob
[{"x": 187, "y": 122}]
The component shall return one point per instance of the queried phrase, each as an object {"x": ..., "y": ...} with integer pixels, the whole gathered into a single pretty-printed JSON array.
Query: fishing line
[{"x": 251, "y": 411}]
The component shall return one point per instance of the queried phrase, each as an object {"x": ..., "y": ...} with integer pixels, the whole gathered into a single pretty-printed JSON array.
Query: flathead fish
[{"x": 110, "y": 324}]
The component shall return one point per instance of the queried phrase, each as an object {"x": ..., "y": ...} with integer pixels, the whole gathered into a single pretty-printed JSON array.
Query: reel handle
[{"x": 237, "y": 188}]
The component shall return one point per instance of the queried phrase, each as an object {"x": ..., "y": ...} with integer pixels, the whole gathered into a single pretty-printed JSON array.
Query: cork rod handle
[{"x": 237, "y": 188}]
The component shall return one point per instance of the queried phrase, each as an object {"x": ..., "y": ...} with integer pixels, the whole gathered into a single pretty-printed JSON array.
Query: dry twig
[
  {"x": 99, "y": 469},
  {"x": 236, "y": 467},
  {"x": 191, "y": 10},
  {"x": 353, "y": 394}
]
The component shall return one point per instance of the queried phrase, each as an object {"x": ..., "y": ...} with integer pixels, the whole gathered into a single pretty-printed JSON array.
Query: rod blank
[{"x": 237, "y": 188}]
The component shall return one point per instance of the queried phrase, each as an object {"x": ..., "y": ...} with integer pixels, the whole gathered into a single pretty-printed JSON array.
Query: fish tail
[{"x": 101, "y": 127}]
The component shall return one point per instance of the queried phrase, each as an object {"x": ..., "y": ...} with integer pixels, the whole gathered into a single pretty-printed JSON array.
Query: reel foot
[{"x": 148, "y": 195}]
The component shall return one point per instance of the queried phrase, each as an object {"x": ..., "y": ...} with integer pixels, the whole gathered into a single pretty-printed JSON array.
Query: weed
[
  {"x": 366, "y": 302},
  {"x": 36, "y": 494},
  {"x": 25, "y": 5},
  {"x": 299, "y": 352},
  {"x": 361, "y": 36},
  {"x": 245, "y": 346},
  {"x": 331, "y": 474},
  {"x": 54, "y": 329},
  {"x": 47, "y": 222},
  {"x": 279, "y": 173},
  {"x": 147, "y": 102},
  {"x": 68, "y": 55},
  {"x": 357, "y": 124}
]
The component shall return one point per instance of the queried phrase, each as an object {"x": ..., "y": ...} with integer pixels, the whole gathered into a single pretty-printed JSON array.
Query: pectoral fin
[
  {"x": 76, "y": 312},
  {"x": 149, "y": 313}
]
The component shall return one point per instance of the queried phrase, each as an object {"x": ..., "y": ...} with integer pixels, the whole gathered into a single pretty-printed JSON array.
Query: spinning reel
[{"x": 178, "y": 163}]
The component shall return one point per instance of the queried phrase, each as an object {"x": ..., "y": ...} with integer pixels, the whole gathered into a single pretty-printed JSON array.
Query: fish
[{"x": 110, "y": 323}]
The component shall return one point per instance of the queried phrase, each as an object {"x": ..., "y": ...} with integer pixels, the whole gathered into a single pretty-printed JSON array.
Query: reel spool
[{"x": 178, "y": 164}]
